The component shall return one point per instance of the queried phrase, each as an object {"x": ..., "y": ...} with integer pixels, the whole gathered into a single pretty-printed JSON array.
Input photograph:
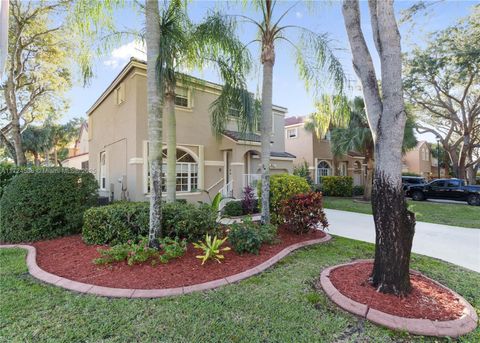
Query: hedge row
[
  {"x": 45, "y": 203},
  {"x": 123, "y": 221},
  {"x": 337, "y": 186}
]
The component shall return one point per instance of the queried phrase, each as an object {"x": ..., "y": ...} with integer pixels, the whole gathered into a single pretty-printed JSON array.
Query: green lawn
[
  {"x": 447, "y": 214},
  {"x": 279, "y": 305}
]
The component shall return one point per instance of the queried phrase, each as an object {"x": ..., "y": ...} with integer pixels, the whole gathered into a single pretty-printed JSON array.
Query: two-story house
[
  {"x": 206, "y": 164},
  {"x": 307, "y": 147},
  {"x": 420, "y": 161}
]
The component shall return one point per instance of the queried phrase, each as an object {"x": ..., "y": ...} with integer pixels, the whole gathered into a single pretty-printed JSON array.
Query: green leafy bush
[
  {"x": 233, "y": 209},
  {"x": 245, "y": 237},
  {"x": 211, "y": 248},
  {"x": 45, "y": 204},
  {"x": 248, "y": 236},
  {"x": 123, "y": 221},
  {"x": 117, "y": 223},
  {"x": 358, "y": 190},
  {"x": 303, "y": 170},
  {"x": 140, "y": 252},
  {"x": 304, "y": 212},
  {"x": 282, "y": 187},
  {"x": 337, "y": 186},
  {"x": 9, "y": 171}
]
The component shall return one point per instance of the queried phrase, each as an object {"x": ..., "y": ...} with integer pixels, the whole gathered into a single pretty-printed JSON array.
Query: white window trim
[
  {"x": 317, "y": 170},
  {"x": 189, "y": 106},
  {"x": 104, "y": 152},
  {"x": 186, "y": 150},
  {"x": 295, "y": 129}
]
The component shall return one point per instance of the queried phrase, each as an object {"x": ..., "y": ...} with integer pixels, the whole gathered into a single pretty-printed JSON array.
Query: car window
[
  {"x": 438, "y": 183},
  {"x": 453, "y": 183}
]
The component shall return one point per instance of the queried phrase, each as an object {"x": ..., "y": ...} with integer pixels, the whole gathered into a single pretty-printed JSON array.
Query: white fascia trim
[{"x": 214, "y": 163}]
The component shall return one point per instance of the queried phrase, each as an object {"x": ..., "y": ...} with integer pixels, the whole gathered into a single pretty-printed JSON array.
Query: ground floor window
[
  {"x": 323, "y": 169},
  {"x": 186, "y": 172}
]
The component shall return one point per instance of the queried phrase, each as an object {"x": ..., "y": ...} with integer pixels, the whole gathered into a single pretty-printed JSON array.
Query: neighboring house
[
  {"x": 206, "y": 164},
  {"x": 78, "y": 153},
  {"x": 420, "y": 161},
  {"x": 318, "y": 153}
]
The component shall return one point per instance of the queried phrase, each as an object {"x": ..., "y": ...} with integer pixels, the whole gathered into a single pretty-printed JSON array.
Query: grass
[
  {"x": 430, "y": 212},
  {"x": 279, "y": 305}
]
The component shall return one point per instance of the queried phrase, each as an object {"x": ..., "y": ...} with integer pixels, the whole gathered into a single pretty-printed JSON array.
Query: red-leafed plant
[{"x": 303, "y": 212}]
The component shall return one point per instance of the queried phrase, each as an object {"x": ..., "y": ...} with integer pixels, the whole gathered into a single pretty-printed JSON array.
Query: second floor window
[
  {"x": 120, "y": 94},
  {"x": 292, "y": 133},
  {"x": 181, "y": 97}
]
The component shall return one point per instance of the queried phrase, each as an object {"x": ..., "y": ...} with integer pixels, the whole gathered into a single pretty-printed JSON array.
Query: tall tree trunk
[
  {"x": 36, "y": 159},
  {"x": 9, "y": 146},
  {"x": 367, "y": 193},
  {"x": 155, "y": 125},
  {"x": 169, "y": 108},
  {"x": 266, "y": 129},
  {"x": 55, "y": 156},
  {"x": 394, "y": 224},
  {"x": 17, "y": 142}
]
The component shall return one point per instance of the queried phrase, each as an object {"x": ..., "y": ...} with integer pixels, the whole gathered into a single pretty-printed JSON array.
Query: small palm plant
[{"x": 211, "y": 248}]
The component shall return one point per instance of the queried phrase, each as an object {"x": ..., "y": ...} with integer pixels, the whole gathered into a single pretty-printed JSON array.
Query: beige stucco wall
[
  {"x": 415, "y": 162},
  {"x": 75, "y": 161},
  {"x": 122, "y": 132}
]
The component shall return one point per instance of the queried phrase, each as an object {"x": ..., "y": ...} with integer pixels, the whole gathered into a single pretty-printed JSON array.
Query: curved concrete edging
[
  {"x": 80, "y": 287},
  {"x": 451, "y": 328}
]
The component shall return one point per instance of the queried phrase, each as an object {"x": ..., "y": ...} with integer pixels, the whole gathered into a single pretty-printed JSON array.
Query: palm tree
[
  {"x": 36, "y": 140},
  {"x": 313, "y": 57},
  {"x": 211, "y": 43}
]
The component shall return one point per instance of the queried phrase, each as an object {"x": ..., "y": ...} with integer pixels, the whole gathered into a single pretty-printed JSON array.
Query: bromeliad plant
[{"x": 211, "y": 249}]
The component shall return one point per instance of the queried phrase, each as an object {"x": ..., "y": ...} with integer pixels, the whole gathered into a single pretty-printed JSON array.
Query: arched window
[
  {"x": 323, "y": 169},
  {"x": 187, "y": 171}
]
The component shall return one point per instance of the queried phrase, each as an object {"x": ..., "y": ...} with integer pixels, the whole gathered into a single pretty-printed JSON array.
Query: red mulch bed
[
  {"x": 427, "y": 300},
  {"x": 71, "y": 258}
]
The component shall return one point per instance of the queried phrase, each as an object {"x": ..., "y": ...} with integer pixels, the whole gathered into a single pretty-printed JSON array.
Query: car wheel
[
  {"x": 473, "y": 200},
  {"x": 418, "y": 196}
]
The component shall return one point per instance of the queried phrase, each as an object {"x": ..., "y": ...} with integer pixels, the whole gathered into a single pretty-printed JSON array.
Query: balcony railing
[{"x": 227, "y": 190}]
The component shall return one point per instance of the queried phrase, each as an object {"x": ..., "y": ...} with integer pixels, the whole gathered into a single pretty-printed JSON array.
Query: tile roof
[{"x": 294, "y": 120}]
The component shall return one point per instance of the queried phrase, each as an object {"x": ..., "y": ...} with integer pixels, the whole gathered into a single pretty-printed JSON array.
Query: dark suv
[
  {"x": 450, "y": 189},
  {"x": 412, "y": 181}
]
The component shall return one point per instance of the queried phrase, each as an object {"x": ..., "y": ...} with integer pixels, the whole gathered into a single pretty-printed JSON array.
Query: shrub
[
  {"x": 282, "y": 187},
  {"x": 337, "y": 186},
  {"x": 249, "y": 236},
  {"x": 116, "y": 223},
  {"x": 46, "y": 204},
  {"x": 9, "y": 171},
  {"x": 189, "y": 221},
  {"x": 249, "y": 202},
  {"x": 358, "y": 190},
  {"x": 302, "y": 170},
  {"x": 211, "y": 248},
  {"x": 123, "y": 221},
  {"x": 410, "y": 174},
  {"x": 303, "y": 212},
  {"x": 245, "y": 237},
  {"x": 233, "y": 209},
  {"x": 269, "y": 233}
]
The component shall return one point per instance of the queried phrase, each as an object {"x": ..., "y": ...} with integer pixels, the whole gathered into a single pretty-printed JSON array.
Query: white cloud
[
  {"x": 299, "y": 15},
  {"x": 122, "y": 54}
]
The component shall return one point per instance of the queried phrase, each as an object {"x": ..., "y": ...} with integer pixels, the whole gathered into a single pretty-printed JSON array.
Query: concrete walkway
[{"x": 454, "y": 244}]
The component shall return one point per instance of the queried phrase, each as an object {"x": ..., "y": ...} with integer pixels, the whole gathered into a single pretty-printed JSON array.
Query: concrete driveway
[{"x": 453, "y": 244}]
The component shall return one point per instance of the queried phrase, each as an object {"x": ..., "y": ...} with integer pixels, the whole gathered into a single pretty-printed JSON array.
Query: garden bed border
[
  {"x": 451, "y": 328},
  {"x": 81, "y": 287}
]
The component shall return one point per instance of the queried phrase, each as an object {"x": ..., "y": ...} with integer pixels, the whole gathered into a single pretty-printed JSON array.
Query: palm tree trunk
[
  {"x": 266, "y": 131},
  {"x": 55, "y": 156},
  {"x": 171, "y": 143},
  {"x": 36, "y": 159},
  {"x": 155, "y": 125}
]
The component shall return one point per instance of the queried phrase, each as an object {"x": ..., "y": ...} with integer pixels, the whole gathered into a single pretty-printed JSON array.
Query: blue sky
[{"x": 289, "y": 90}]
